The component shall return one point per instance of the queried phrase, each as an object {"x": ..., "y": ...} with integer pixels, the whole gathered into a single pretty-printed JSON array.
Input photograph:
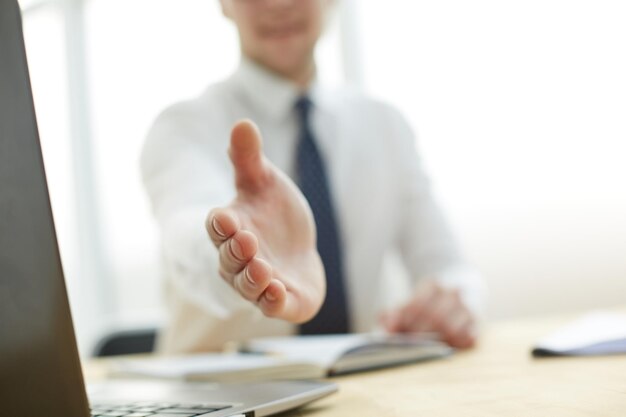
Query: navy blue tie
[{"x": 313, "y": 181}]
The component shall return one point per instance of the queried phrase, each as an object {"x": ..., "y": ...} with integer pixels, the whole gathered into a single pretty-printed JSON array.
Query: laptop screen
[{"x": 39, "y": 365}]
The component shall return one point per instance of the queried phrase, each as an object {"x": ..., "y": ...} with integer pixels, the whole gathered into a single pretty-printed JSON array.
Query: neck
[{"x": 301, "y": 75}]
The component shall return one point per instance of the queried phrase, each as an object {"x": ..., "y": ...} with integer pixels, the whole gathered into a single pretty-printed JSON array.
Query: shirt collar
[{"x": 268, "y": 92}]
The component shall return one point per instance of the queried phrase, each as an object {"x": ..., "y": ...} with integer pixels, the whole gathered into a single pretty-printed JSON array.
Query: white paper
[
  {"x": 594, "y": 334},
  {"x": 323, "y": 350}
]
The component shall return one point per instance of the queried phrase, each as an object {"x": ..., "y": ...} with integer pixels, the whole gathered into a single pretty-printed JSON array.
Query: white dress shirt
[{"x": 380, "y": 192}]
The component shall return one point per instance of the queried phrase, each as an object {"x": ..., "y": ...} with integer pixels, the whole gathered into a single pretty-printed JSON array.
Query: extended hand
[
  {"x": 266, "y": 236},
  {"x": 434, "y": 308}
]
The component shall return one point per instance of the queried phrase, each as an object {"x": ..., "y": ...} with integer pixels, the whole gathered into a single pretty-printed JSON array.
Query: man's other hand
[{"x": 434, "y": 308}]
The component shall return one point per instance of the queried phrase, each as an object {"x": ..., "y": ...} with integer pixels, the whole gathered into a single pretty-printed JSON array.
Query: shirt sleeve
[
  {"x": 186, "y": 173},
  {"x": 425, "y": 240}
]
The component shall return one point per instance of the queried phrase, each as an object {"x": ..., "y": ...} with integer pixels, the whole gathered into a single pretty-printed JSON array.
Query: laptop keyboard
[{"x": 154, "y": 410}]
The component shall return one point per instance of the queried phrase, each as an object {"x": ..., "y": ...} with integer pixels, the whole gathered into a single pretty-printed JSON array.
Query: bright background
[{"x": 519, "y": 108}]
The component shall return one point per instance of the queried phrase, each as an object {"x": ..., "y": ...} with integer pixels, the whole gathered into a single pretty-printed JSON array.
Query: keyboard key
[
  {"x": 211, "y": 413},
  {"x": 108, "y": 414},
  {"x": 155, "y": 409},
  {"x": 173, "y": 415},
  {"x": 187, "y": 410}
]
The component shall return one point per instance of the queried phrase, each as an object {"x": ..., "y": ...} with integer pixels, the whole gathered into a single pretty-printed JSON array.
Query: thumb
[{"x": 246, "y": 155}]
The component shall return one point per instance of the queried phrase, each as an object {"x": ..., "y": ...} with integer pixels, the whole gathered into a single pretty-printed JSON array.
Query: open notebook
[{"x": 302, "y": 357}]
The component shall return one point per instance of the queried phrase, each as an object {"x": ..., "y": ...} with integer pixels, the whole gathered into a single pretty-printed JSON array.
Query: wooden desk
[{"x": 498, "y": 378}]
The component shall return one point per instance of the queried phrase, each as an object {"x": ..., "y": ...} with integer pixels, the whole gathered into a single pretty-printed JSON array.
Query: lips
[{"x": 281, "y": 31}]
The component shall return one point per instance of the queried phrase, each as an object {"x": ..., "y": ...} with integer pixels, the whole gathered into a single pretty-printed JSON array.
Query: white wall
[{"x": 520, "y": 109}]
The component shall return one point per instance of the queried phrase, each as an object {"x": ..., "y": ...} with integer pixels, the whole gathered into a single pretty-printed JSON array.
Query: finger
[
  {"x": 391, "y": 321},
  {"x": 252, "y": 281},
  {"x": 415, "y": 314},
  {"x": 440, "y": 312},
  {"x": 455, "y": 323},
  {"x": 247, "y": 157},
  {"x": 221, "y": 224},
  {"x": 272, "y": 301},
  {"x": 458, "y": 314},
  {"x": 461, "y": 331},
  {"x": 236, "y": 252},
  {"x": 468, "y": 339}
]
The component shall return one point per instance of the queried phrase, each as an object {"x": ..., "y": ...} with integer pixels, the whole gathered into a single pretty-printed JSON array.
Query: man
[{"x": 364, "y": 194}]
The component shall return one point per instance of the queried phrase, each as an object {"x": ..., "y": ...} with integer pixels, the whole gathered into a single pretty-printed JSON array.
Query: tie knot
[{"x": 303, "y": 105}]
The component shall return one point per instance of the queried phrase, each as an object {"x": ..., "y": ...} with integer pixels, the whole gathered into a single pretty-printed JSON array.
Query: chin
[
  {"x": 285, "y": 59},
  {"x": 287, "y": 65}
]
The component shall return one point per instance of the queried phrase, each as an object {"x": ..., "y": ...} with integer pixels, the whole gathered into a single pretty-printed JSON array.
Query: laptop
[{"x": 40, "y": 372}]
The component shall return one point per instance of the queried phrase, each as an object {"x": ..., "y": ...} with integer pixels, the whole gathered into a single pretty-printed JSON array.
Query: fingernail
[
  {"x": 270, "y": 296},
  {"x": 217, "y": 228},
  {"x": 249, "y": 278},
  {"x": 235, "y": 247}
]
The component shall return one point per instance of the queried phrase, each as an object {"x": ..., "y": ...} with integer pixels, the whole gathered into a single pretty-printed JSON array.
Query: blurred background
[{"x": 519, "y": 109}]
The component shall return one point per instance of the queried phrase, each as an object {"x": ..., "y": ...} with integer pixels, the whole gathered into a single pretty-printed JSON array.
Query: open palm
[{"x": 266, "y": 236}]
